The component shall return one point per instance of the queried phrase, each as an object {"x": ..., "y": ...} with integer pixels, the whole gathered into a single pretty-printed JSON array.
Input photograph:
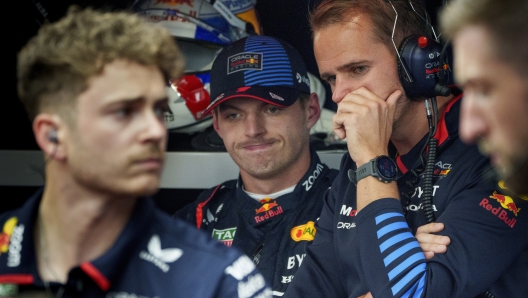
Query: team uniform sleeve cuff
[{"x": 381, "y": 206}]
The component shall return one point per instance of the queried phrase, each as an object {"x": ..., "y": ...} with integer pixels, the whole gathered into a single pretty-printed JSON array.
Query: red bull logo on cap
[
  {"x": 506, "y": 203},
  {"x": 244, "y": 61}
]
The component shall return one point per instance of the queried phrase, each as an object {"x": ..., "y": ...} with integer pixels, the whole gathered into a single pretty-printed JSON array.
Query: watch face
[{"x": 386, "y": 167}]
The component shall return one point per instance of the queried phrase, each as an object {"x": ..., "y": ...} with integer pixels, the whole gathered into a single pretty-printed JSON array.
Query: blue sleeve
[
  {"x": 394, "y": 264},
  {"x": 486, "y": 239}
]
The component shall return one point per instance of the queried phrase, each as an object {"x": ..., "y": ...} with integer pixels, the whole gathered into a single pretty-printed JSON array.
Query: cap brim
[{"x": 278, "y": 96}]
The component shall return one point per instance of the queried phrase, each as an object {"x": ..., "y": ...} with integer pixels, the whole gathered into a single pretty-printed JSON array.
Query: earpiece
[
  {"x": 52, "y": 136},
  {"x": 428, "y": 64}
]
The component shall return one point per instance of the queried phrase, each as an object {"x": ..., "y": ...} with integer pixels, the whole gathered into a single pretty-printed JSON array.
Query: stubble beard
[
  {"x": 517, "y": 181},
  {"x": 514, "y": 173},
  {"x": 517, "y": 178}
]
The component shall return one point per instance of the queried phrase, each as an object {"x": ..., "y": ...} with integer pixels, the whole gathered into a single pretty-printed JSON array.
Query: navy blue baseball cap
[{"x": 259, "y": 67}]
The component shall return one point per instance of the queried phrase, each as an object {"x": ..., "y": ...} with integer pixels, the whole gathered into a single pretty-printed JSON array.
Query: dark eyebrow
[
  {"x": 343, "y": 67},
  {"x": 137, "y": 100},
  {"x": 123, "y": 101},
  {"x": 226, "y": 106},
  {"x": 162, "y": 100}
]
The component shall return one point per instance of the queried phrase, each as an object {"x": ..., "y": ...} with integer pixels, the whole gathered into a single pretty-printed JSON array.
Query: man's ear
[
  {"x": 49, "y": 132},
  {"x": 214, "y": 112},
  {"x": 313, "y": 110}
]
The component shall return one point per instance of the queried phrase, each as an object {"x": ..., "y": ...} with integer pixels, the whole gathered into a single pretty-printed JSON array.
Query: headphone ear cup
[
  {"x": 422, "y": 59},
  {"x": 52, "y": 136},
  {"x": 404, "y": 79}
]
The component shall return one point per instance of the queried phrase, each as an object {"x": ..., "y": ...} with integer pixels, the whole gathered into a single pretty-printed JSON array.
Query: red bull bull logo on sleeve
[{"x": 506, "y": 204}]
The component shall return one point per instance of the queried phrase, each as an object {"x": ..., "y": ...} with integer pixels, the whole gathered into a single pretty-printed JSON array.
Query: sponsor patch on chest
[{"x": 225, "y": 236}]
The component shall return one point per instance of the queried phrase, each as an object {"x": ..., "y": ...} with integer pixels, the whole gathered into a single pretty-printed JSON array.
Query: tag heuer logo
[
  {"x": 226, "y": 236},
  {"x": 8, "y": 290}
]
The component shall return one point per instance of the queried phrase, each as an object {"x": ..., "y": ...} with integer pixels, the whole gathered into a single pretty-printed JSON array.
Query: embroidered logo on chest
[
  {"x": 160, "y": 257},
  {"x": 269, "y": 209},
  {"x": 225, "y": 236}
]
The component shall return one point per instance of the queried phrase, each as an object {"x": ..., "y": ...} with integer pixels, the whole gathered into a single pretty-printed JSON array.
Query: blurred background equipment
[
  {"x": 201, "y": 29},
  {"x": 284, "y": 19}
]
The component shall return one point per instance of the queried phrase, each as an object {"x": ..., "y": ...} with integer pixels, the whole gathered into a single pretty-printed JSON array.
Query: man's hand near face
[{"x": 365, "y": 120}]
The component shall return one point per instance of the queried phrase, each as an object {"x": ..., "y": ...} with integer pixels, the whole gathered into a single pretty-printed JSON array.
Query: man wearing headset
[
  {"x": 263, "y": 110},
  {"x": 491, "y": 46},
  {"x": 364, "y": 238},
  {"x": 94, "y": 85}
]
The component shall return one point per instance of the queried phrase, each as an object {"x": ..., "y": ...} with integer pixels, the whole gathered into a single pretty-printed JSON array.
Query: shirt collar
[
  {"x": 447, "y": 129},
  {"x": 107, "y": 267},
  {"x": 104, "y": 269},
  {"x": 303, "y": 189}
]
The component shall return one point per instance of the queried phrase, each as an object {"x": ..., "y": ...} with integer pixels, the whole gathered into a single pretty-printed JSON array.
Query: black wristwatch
[{"x": 381, "y": 167}]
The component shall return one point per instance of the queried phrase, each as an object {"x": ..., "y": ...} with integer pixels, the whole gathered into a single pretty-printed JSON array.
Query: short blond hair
[
  {"x": 381, "y": 13},
  {"x": 55, "y": 65},
  {"x": 505, "y": 20}
]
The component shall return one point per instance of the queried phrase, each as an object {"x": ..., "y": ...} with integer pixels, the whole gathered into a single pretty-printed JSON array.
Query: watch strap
[
  {"x": 366, "y": 170},
  {"x": 352, "y": 176}
]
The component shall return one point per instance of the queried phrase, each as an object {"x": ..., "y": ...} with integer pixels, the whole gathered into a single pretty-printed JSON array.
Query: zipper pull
[{"x": 256, "y": 254}]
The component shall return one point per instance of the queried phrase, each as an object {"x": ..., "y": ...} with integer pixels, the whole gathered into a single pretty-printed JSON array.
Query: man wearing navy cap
[{"x": 263, "y": 110}]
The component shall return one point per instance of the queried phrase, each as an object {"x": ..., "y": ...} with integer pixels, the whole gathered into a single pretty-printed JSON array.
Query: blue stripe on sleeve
[
  {"x": 413, "y": 268},
  {"x": 395, "y": 239},
  {"x": 400, "y": 252},
  {"x": 385, "y": 216},
  {"x": 421, "y": 285},
  {"x": 420, "y": 269},
  {"x": 409, "y": 292},
  {"x": 391, "y": 227},
  {"x": 406, "y": 264}
]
